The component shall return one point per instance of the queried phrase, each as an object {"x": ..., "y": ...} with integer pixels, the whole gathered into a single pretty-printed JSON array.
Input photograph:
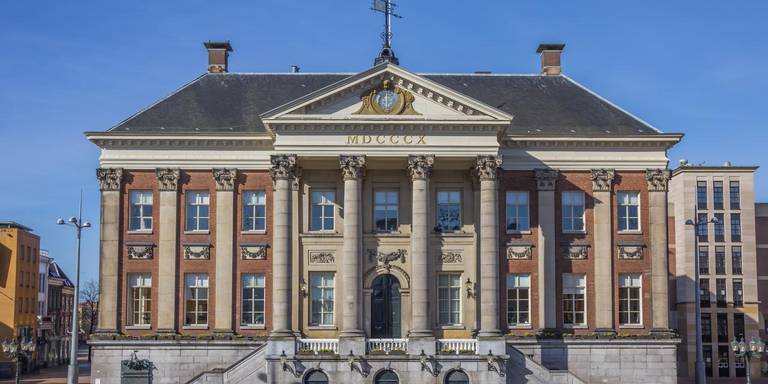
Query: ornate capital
[
  {"x": 352, "y": 166},
  {"x": 168, "y": 178},
  {"x": 487, "y": 167},
  {"x": 283, "y": 166},
  {"x": 109, "y": 178},
  {"x": 658, "y": 180},
  {"x": 546, "y": 179},
  {"x": 420, "y": 166},
  {"x": 225, "y": 178},
  {"x": 602, "y": 179}
]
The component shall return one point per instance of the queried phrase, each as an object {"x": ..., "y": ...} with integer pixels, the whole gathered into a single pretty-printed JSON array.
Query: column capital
[
  {"x": 168, "y": 178},
  {"x": 352, "y": 166},
  {"x": 546, "y": 178},
  {"x": 109, "y": 178},
  {"x": 225, "y": 178},
  {"x": 283, "y": 166},
  {"x": 602, "y": 179},
  {"x": 658, "y": 179},
  {"x": 487, "y": 167},
  {"x": 420, "y": 166}
]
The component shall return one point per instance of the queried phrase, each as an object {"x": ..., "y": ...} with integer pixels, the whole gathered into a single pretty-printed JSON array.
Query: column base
[
  {"x": 352, "y": 344},
  {"x": 426, "y": 344},
  {"x": 605, "y": 333},
  {"x": 420, "y": 333},
  {"x": 663, "y": 333},
  {"x": 495, "y": 345},
  {"x": 489, "y": 333},
  {"x": 281, "y": 334},
  {"x": 223, "y": 333}
]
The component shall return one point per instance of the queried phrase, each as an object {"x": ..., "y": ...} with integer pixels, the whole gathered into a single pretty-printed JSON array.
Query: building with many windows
[
  {"x": 725, "y": 246},
  {"x": 385, "y": 226}
]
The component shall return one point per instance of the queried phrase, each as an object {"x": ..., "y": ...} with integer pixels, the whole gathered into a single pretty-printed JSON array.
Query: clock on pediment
[{"x": 387, "y": 99}]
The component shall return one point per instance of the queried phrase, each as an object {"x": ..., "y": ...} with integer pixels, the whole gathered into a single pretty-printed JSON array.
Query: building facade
[
  {"x": 56, "y": 321},
  {"x": 385, "y": 226},
  {"x": 722, "y": 197},
  {"x": 18, "y": 292}
]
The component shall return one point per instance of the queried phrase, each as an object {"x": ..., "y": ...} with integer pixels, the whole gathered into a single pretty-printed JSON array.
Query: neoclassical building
[{"x": 384, "y": 226}]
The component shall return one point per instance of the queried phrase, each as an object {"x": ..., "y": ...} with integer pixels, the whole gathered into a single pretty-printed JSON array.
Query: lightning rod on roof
[{"x": 387, "y": 8}]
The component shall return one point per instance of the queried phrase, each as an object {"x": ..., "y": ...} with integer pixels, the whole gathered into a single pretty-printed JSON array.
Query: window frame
[
  {"x": 322, "y": 288},
  {"x": 720, "y": 263},
  {"x": 387, "y": 205},
  {"x": 142, "y": 214},
  {"x": 624, "y": 208},
  {"x": 579, "y": 290},
  {"x": 736, "y": 250},
  {"x": 516, "y": 205},
  {"x": 721, "y": 299},
  {"x": 572, "y": 218},
  {"x": 705, "y": 294},
  {"x": 438, "y": 205},
  {"x": 629, "y": 300},
  {"x": 323, "y": 203},
  {"x": 515, "y": 280},
  {"x": 192, "y": 290},
  {"x": 451, "y": 311},
  {"x": 253, "y": 218},
  {"x": 701, "y": 195},
  {"x": 735, "y": 221},
  {"x": 246, "y": 279},
  {"x": 719, "y": 230},
  {"x": 718, "y": 197},
  {"x": 702, "y": 230},
  {"x": 703, "y": 264},
  {"x": 740, "y": 302},
  {"x": 195, "y": 205},
  {"x": 139, "y": 292},
  {"x": 734, "y": 192}
]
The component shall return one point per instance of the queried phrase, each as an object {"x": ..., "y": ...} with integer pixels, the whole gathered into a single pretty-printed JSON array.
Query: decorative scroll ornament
[
  {"x": 519, "y": 252},
  {"x": 253, "y": 252},
  {"x": 225, "y": 178},
  {"x": 602, "y": 179},
  {"x": 387, "y": 99},
  {"x": 283, "y": 166},
  {"x": 451, "y": 257},
  {"x": 546, "y": 179},
  {"x": 487, "y": 167},
  {"x": 322, "y": 257},
  {"x": 168, "y": 179},
  {"x": 140, "y": 252},
  {"x": 386, "y": 258},
  {"x": 633, "y": 252},
  {"x": 420, "y": 166},
  {"x": 197, "y": 252},
  {"x": 575, "y": 252},
  {"x": 352, "y": 166},
  {"x": 109, "y": 178},
  {"x": 658, "y": 180}
]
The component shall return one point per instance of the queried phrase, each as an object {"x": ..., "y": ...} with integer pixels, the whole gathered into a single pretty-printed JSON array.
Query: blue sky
[{"x": 72, "y": 66}]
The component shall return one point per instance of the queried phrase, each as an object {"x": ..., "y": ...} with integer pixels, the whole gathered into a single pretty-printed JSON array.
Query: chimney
[
  {"x": 550, "y": 58},
  {"x": 218, "y": 55}
]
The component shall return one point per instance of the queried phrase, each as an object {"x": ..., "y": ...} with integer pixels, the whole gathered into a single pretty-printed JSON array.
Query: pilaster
[
  {"x": 602, "y": 184},
  {"x": 546, "y": 182},
  {"x": 658, "y": 186},
  {"x": 168, "y": 181},
  {"x": 110, "y": 183},
  {"x": 225, "y": 185}
]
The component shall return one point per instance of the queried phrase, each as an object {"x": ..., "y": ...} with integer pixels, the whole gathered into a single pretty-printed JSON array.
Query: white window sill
[
  {"x": 521, "y": 326},
  {"x": 196, "y": 232},
  {"x": 528, "y": 232},
  {"x": 258, "y": 232},
  {"x": 322, "y": 328},
  {"x": 135, "y": 327},
  {"x": 453, "y": 326},
  {"x": 575, "y": 232},
  {"x": 631, "y": 326},
  {"x": 193, "y": 327},
  {"x": 632, "y": 232},
  {"x": 575, "y": 326},
  {"x": 140, "y": 232},
  {"x": 253, "y": 326}
]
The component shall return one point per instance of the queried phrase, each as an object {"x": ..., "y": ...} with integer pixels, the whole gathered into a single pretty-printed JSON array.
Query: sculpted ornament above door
[{"x": 387, "y": 99}]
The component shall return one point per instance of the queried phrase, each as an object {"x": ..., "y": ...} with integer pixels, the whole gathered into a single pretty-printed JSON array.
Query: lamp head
[
  {"x": 689, "y": 222},
  {"x": 60, "y": 221},
  {"x": 87, "y": 224},
  {"x": 72, "y": 220},
  {"x": 715, "y": 220}
]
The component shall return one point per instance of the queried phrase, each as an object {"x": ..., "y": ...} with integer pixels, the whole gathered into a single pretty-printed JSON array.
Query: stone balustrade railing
[
  {"x": 457, "y": 346},
  {"x": 318, "y": 346},
  {"x": 387, "y": 345}
]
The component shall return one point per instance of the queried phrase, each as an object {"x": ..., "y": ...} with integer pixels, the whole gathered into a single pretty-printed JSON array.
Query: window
[
  {"x": 703, "y": 260},
  {"x": 254, "y": 211},
  {"x": 629, "y": 211},
  {"x": 735, "y": 227},
  {"x": 719, "y": 227},
  {"x": 738, "y": 293},
  {"x": 321, "y": 292},
  {"x": 722, "y": 327},
  {"x": 720, "y": 260},
  {"x": 574, "y": 299},
  {"x": 457, "y": 377},
  {"x": 323, "y": 207},
  {"x": 139, "y": 299},
  {"x": 386, "y": 377},
  {"x": 720, "y": 292},
  {"x": 701, "y": 195},
  {"x": 708, "y": 360},
  {"x": 706, "y": 327},
  {"x": 196, "y": 296},
  {"x": 141, "y": 211},
  {"x": 252, "y": 311},
  {"x": 573, "y": 211},
  {"x": 738, "y": 325},
  {"x": 448, "y": 211},
  {"x": 197, "y": 211},
  {"x": 704, "y": 294},
  {"x": 517, "y": 211},
  {"x": 717, "y": 194},
  {"x": 449, "y": 298},
  {"x": 385, "y": 211},
  {"x": 722, "y": 360},
  {"x": 702, "y": 227},
  {"x": 735, "y": 195},
  {"x": 630, "y": 299},
  {"x": 736, "y": 260},
  {"x": 316, "y": 377},
  {"x": 518, "y": 299}
]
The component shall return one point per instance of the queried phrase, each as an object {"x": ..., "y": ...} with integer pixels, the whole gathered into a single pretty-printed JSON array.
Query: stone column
[
  {"x": 602, "y": 182},
  {"x": 420, "y": 170},
  {"x": 225, "y": 217},
  {"x": 658, "y": 186},
  {"x": 546, "y": 180},
  {"x": 168, "y": 182},
  {"x": 283, "y": 171},
  {"x": 487, "y": 168},
  {"x": 353, "y": 171},
  {"x": 110, "y": 180}
]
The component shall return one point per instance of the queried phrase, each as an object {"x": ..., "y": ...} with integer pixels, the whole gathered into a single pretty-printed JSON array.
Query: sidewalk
[{"x": 58, "y": 375}]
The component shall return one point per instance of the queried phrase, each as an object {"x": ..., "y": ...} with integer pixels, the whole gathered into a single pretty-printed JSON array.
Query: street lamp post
[
  {"x": 700, "y": 375},
  {"x": 78, "y": 223},
  {"x": 755, "y": 348},
  {"x": 15, "y": 348}
]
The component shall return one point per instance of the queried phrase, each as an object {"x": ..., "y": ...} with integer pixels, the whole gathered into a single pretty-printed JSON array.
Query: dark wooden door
[{"x": 385, "y": 307}]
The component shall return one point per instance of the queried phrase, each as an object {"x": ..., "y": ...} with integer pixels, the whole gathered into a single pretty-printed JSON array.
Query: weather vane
[{"x": 388, "y": 9}]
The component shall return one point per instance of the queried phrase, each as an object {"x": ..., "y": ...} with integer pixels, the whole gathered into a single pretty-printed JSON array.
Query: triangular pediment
[{"x": 386, "y": 92}]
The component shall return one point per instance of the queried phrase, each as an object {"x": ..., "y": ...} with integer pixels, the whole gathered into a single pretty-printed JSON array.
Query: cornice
[
  {"x": 665, "y": 141},
  {"x": 148, "y": 140}
]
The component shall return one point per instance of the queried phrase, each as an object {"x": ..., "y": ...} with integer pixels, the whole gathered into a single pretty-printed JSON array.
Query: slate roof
[
  {"x": 56, "y": 272},
  {"x": 232, "y": 103}
]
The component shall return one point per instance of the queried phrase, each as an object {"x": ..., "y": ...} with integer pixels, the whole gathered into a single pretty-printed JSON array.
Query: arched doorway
[
  {"x": 385, "y": 307},
  {"x": 386, "y": 377}
]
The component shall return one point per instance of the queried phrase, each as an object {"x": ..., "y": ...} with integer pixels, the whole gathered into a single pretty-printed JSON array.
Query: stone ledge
[{"x": 181, "y": 342}]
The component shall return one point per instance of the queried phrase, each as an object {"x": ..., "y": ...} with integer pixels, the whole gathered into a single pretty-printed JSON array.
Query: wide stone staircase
[
  {"x": 250, "y": 369},
  {"x": 524, "y": 370}
]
